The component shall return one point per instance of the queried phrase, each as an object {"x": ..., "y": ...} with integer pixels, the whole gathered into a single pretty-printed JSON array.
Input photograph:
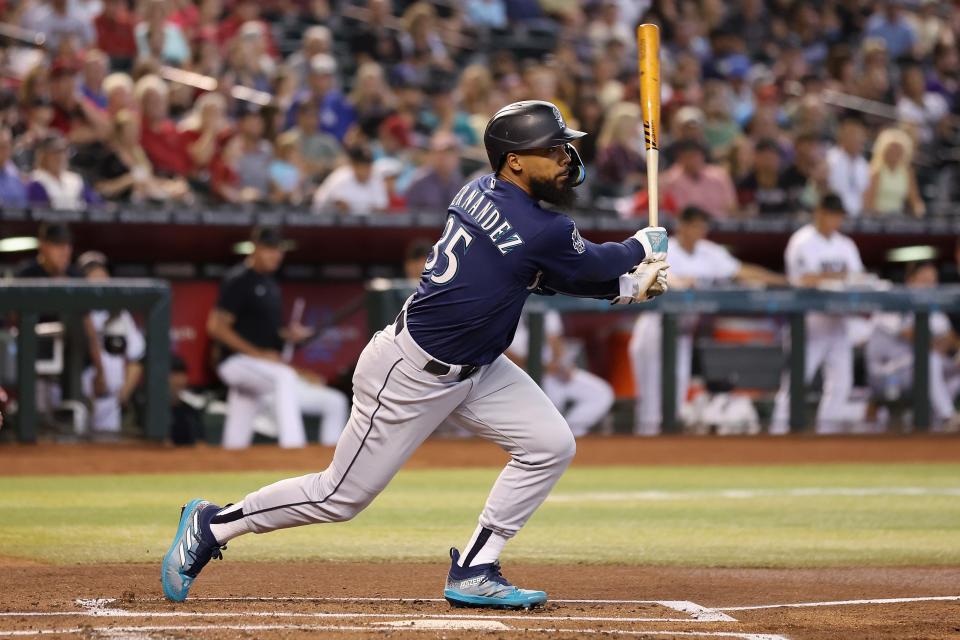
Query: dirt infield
[
  {"x": 298, "y": 600},
  {"x": 353, "y": 600},
  {"x": 45, "y": 458}
]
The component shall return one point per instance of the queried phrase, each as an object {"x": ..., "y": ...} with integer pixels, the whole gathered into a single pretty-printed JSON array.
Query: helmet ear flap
[{"x": 578, "y": 173}]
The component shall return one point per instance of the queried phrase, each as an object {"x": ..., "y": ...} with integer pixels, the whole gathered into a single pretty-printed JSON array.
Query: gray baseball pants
[{"x": 397, "y": 405}]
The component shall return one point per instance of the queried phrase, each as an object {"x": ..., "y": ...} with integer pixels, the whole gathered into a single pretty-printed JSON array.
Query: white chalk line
[
  {"x": 747, "y": 494},
  {"x": 700, "y": 613},
  {"x": 122, "y": 613},
  {"x": 296, "y": 627},
  {"x": 842, "y": 603}
]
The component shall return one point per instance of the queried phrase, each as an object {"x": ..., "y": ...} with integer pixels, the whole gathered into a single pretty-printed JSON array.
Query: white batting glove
[
  {"x": 654, "y": 241},
  {"x": 648, "y": 280}
]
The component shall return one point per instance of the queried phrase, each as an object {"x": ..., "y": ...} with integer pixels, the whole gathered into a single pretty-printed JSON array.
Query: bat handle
[
  {"x": 295, "y": 317},
  {"x": 653, "y": 196}
]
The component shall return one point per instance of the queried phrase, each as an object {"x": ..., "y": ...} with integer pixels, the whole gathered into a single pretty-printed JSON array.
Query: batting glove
[
  {"x": 648, "y": 280},
  {"x": 654, "y": 242}
]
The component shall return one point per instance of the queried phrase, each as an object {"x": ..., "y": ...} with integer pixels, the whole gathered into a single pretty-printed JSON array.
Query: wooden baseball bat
[{"x": 648, "y": 49}]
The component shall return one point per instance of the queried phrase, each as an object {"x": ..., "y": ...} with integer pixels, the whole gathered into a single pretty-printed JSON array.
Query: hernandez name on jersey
[{"x": 477, "y": 277}]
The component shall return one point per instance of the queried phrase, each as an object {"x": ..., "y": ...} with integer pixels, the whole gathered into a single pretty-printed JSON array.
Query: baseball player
[
  {"x": 582, "y": 397},
  {"x": 817, "y": 255},
  {"x": 442, "y": 359},
  {"x": 889, "y": 354},
  {"x": 695, "y": 262},
  {"x": 246, "y": 324}
]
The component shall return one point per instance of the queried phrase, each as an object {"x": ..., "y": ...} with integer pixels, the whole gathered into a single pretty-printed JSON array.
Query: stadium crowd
[{"x": 379, "y": 105}]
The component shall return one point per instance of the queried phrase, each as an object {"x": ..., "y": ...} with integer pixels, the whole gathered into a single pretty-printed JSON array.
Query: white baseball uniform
[
  {"x": 828, "y": 343},
  {"x": 707, "y": 264},
  {"x": 589, "y": 397},
  {"x": 106, "y": 413},
  {"x": 889, "y": 357}
]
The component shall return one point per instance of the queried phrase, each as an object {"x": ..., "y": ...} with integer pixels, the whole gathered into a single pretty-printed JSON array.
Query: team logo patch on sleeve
[{"x": 577, "y": 240}]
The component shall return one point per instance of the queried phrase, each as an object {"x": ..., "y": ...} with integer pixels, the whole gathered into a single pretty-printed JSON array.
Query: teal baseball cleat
[
  {"x": 192, "y": 548},
  {"x": 484, "y": 586}
]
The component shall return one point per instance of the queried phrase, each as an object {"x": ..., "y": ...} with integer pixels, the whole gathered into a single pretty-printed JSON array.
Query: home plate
[{"x": 446, "y": 625}]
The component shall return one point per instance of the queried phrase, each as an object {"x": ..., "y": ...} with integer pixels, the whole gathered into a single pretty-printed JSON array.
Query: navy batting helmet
[{"x": 527, "y": 125}]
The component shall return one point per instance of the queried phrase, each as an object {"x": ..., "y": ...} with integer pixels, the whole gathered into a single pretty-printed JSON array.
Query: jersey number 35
[{"x": 453, "y": 233}]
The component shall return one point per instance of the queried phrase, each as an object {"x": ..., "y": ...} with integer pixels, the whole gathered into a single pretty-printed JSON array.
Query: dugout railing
[
  {"x": 385, "y": 298},
  {"x": 26, "y": 300}
]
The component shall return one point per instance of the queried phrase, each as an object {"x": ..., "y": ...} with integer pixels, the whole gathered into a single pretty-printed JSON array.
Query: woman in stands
[{"x": 893, "y": 181}]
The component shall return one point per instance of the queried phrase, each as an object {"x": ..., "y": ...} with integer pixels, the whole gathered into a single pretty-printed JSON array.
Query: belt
[{"x": 433, "y": 366}]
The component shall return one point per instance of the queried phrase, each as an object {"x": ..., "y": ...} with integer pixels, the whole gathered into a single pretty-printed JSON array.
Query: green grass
[{"x": 91, "y": 519}]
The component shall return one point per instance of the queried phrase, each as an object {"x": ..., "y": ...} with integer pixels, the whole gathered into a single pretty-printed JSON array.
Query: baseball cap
[
  {"x": 270, "y": 236},
  {"x": 89, "y": 260},
  {"x": 690, "y": 114},
  {"x": 323, "y": 63},
  {"x": 53, "y": 141},
  {"x": 831, "y": 203},
  {"x": 395, "y": 126},
  {"x": 55, "y": 233}
]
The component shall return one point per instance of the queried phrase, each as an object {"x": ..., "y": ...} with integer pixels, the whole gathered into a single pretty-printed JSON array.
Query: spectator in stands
[
  {"x": 205, "y": 131},
  {"x": 607, "y": 25},
  {"x": 719, "y": 127},
  {"x": 13, "y": 190},
  {"x": 124, "y": 171},
  {"x": 316, "y": 39},
  {"x": 244, "y": 11},
  {"x": 375, "y": 39},
  {"x": 335, "y": 114},
  {"x": 156, "y": 28},
  {"x": 893, "y": 182},
  {"x": 371, "y": 97},
  {"x": 255, "y": 152},
  {"x": 619, "y": 166},
  {"x": 889, "y": 354},
  {"x": 695, "y": 262},
  {"x": 944, "y": 77},
  {"x": 74, "y": 115},
  {"x": 249, "y": 59},
  {"x": 118, "y": 91},
  {"x": 889, "y": 24},
  {"x": 59, "y": 20},
  {"x": 165, "y": 147},
  {"x": 445, "y": 114},
  {"x": 52, "y": 184},
  {"x": 687, "y": 125},
  {"x": 765, "y": 191},
  {"x": 816, "y": 255},
  {"x": 114, "y": 27},
  {"x": 436, "y": 183},
  {"x": 224, "y": 178},
  {"x": 478, "y": 95},
  {"x": 95, "y": 67},
  {"x": 847, "y": 170},
  {"x": 582, "y": 397},
  {"x": 806, "y": 179},
  {"x": 320, "y": 150},
  {"x": 420, "y": 36},
  {"x": 354, "y": 188},
  {"x": 393, "y": 149},
  {"x": 247, "y": 324},
  {"x": 926, "y": 110},
  {"x": 38, "y": 115},
  {"x": 286, "y": 172},
  {"x": 693, "y": 182},
  {"x": 122, "y": 347}
]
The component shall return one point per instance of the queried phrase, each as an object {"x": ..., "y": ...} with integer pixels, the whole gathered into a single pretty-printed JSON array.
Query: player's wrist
[{"x": 654, "y": 242}]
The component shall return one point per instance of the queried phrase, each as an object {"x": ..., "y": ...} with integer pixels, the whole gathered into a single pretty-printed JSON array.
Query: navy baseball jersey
[{"x": 499, "y": 246}]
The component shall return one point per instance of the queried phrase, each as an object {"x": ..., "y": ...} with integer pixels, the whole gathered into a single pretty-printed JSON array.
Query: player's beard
[{"x": 547, "y": 190}]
